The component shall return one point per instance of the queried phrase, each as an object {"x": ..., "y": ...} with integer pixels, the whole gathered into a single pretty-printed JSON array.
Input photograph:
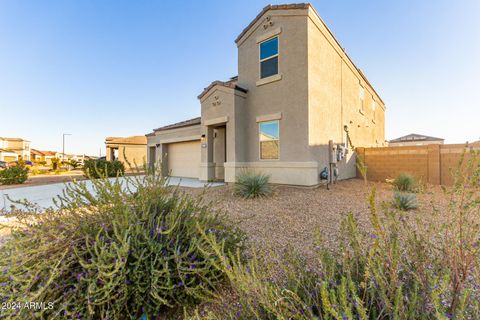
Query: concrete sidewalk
[{"x": 43, "y": 195}]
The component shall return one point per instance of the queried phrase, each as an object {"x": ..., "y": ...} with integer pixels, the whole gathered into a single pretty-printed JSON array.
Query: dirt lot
[{"x": 292, "y": 215}]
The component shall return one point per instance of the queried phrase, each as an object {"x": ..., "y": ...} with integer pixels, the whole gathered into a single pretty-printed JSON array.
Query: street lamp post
[{"x": 63, "y": 145}]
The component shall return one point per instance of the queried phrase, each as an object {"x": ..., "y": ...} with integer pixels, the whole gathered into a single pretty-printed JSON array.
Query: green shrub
[
  {"x": 14, "y": 175},
  {"x": 117, "y": 252},
  {"x": 405, "y": 182},
  {"x": 102, "y": 168},
  {"x": 405, "y": 267},
  {"x": 74, "y": 163},
  {"x": 250, "y": 184},
  {"x": 405, "y": 201}
]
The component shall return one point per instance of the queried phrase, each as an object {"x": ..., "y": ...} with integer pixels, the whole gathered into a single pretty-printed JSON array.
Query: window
[
  {"x": 269, "y": 58},
  {"x": 269, "y": 140},
  {"x": 374, "y": 109},
  {"x": 361, "y": 94}
]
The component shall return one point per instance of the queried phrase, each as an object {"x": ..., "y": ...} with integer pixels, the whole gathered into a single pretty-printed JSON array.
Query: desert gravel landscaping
[{"x": 293, "y": 214}]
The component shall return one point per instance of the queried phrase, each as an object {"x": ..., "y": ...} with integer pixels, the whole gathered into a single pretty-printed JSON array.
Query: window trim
[
  {"x": 260, "y": 60},
  {"x": 260, "y": 145}
]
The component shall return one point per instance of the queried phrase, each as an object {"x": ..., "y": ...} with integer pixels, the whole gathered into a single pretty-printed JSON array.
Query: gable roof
[
  {"x": 7, "y": 151},
  {"x": 272, "y": 7},
  {"x": 416, "y": 137},
  {"x": 186, "y": 123},
  {"x": 127, "y": 140},
  {"x": 232, "y": 83},
  {"x": 13, "y": 139},
  {"x": 37, "y": 152}
]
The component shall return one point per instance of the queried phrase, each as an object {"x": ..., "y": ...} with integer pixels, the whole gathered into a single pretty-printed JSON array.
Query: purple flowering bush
[
  {"x": 118, "y": 252},
  {"x": 407, "y": 266}
]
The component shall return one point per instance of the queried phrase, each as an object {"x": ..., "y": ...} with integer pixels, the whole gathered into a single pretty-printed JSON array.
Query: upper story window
[
  {"x": 374, "y": 109},
  {"x": 361, "y": 94},
  {"x": 269, "y": 140},
  {"x": 269, "y": 58}
]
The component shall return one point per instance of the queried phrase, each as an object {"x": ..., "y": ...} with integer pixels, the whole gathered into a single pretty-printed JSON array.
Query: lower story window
[{"x": 269, "y": 140}]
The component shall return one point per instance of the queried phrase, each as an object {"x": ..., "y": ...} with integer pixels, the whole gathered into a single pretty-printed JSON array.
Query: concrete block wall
[{"x": 431, "y": 164}]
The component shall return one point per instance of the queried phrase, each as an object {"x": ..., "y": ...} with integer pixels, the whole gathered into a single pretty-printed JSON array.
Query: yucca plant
[
  {"x": 405, "y": 201},
  {"x": 405, "y": 182},
  {"x": 250, "y": 184}
]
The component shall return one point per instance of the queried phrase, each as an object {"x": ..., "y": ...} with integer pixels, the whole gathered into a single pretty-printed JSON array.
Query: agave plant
[
  {"x": 250, "y": 184},
  {"x": 405, "y": 182},
  {"x": 405, "y": 201}
]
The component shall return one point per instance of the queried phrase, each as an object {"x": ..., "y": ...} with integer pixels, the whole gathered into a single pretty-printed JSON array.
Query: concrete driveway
[{"x": 43, "y": 195}]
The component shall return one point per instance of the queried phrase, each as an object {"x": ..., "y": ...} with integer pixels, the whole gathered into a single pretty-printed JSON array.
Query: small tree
[
  {"x": 55, "y": 163},
  {"x": 74, "y": 164}
]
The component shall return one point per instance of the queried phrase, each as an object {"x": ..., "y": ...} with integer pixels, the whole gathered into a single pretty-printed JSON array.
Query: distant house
[
  {"x": 414, "y": 139},
  {"x": 129, "y": 150},
  {"x": 19, "y": 146},
  {"x": 7, "y": 155}
]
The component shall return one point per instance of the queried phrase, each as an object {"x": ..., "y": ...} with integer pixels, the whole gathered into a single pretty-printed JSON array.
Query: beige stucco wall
[
  {"x": 136, "y": 155},
  {"x": 334, "y": 100}
]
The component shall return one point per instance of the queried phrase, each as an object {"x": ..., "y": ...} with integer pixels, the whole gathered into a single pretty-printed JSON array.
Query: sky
[{"x": 118, "y": 68}]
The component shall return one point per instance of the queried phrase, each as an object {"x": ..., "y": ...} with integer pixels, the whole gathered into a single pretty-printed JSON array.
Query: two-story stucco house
[
  {"x": 14, "y": 146},
  {"x": 296, "y": 95}
]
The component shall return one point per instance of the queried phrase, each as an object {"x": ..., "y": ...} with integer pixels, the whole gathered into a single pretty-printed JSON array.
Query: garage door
[
  {"x": 184, "y": 159},
  {"x": 9, "y": 158}
]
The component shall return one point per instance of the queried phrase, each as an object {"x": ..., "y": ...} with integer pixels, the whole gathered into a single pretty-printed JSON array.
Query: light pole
[{"x": 63, "y": 145}]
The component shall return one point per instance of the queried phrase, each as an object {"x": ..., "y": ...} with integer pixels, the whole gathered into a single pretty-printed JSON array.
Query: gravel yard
[{"x": 292, "y": 215}]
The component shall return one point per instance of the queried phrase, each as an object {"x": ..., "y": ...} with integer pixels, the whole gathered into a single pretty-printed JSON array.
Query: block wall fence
[{"x": 431, "y": 163}]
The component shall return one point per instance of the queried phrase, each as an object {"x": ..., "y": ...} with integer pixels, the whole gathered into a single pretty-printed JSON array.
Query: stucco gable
[
  {"x": 268, "y": 8},
  {"x": 232, "y": 84}
]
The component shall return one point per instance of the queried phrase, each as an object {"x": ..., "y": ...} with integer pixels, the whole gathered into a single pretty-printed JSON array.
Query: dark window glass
[
  {"x": 269, "y": 48},
  {"x": 269, "y": 67}
]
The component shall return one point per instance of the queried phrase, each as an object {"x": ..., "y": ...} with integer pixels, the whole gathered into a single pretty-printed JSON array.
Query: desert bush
[
  {"x": 250, "y": 184},
  {"x": 74, "y": 163},
  {"x": 405, "y": 182},
  {"x": 14, "y": 175},
  {"x": 407, "y": 266},
  {"x": 405, "y": 200},
  {"x": 102, "y": 168},
  {"x": 119, "y": 251}
]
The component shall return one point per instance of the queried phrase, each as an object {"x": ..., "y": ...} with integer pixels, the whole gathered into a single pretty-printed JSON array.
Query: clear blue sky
[{"x": 118, "y": 68}]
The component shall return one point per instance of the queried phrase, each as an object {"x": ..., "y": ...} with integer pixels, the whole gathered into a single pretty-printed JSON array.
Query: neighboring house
[
  {"x": 296, "y": 91},
  {"x": 130, "y": 150},
  {"x": 19, "y": 146},
  {"x": 8, "y": 156},
  {"x": 414, "y": 139},
  {"x": 37, "y": 155}
]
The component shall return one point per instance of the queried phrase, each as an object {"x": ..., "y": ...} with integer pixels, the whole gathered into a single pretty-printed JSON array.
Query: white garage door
[{"x": 184, "y": 159}]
